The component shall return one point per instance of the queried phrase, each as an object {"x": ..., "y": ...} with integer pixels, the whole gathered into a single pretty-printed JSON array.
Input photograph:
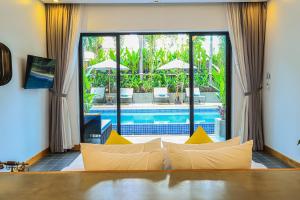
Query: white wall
[
  {"x": 282, "y": 99},
  {"x": 23, "y": 113},
  {"x": 200, "y": 17}
]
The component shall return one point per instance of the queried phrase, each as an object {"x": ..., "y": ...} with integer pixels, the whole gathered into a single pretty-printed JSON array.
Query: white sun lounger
[
  {"x": 197, "y": 94},
  {"x": 161, "y": 93}
]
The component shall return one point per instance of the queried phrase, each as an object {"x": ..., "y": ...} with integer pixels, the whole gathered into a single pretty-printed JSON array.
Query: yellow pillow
[
  {"x": 115, "y": 138},
  {"x": 199, "y": 137}
]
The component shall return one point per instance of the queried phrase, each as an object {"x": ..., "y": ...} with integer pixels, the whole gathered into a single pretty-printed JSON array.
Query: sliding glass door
[
  {"x": 99, "y": 87},
  {"x": 154, "y": 72},
  {"x": 209, "y": 78},
  {"x": 154, "y": 84}
]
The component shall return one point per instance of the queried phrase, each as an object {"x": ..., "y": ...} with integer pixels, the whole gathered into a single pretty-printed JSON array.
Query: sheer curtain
[
  {"x": 63, "y": 32},
  {"x": 247, "y": 27}
]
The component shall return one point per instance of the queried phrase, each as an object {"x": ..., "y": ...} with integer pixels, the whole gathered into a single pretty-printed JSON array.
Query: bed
[{"x": 77, "y": 165}]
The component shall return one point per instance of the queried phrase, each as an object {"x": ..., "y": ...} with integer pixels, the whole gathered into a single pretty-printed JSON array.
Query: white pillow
[
  {"x": 234, "y": 157},
  {"x": 123, "y": 148},
  {"x": 207, "y": 146},
  {"x": 95, "y": 160}
]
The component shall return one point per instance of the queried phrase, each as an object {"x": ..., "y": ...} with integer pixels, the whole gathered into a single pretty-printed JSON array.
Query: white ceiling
[{"x": 146, "y": 1}]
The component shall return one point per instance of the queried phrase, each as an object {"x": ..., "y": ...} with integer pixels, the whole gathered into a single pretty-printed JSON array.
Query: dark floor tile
[
  {"x": 268, "y": 160},
  {"x": 56, "y": 162}
]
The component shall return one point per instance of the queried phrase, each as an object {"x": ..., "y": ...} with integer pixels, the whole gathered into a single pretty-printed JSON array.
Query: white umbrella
[
  {"x": 107, "y": 65},
  {"x": 88, "y": 55},
  {"x": 175, "y": 64}
]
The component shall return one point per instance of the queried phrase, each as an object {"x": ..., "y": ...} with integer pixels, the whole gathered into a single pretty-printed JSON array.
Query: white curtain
[
  {"x": 71, "y": 123},
  {"x": 237, "y": 104},
  {"x": 239, "y": 66}
]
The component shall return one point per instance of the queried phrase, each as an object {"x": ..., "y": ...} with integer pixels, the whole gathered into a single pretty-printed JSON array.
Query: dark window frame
[{"x": 191, "y": 74}]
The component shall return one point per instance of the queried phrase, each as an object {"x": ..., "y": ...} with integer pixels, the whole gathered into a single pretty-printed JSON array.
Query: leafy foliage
[
  {"x": 87, "y": 96},
  {"x": 219, "y": 76},
  {"x": 153, "y": 58}
]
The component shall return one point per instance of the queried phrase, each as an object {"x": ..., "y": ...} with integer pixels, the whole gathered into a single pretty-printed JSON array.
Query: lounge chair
[
  {"x": 197, "y": 95},
  {"x": 161, "y": 94},
  {"x": 126, "y": 94},
  {"x": 99, "y": 94}
]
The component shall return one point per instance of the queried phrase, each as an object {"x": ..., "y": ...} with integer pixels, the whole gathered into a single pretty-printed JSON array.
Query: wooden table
[{"x": 218, "y": 184}]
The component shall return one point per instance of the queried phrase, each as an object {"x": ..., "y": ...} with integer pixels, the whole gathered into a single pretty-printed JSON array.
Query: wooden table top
[{"x": 218, "y": 184}]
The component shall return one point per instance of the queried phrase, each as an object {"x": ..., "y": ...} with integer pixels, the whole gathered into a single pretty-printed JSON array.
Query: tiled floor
[
  {"x": 268, "y": 160},
  {"x": 56, "y": 162}
]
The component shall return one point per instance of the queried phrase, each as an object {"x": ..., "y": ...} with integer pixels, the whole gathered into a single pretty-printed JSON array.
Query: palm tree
[
  {"x": 210, "y": 60},
  {"x": 141, "y": 47}
]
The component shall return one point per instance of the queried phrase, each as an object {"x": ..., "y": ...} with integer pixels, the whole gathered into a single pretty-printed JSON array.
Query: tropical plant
[
  {"x": 153, "y": 58},
  {"x": 93, "y": 44},
  {"x": 87, "y": 96},
  {"x": 146, "y": 84},
  {"x": 131, "y": 81},
  {"x": 130, "y": 59},
  {"x": 219, "y": 79},
  {"x": 219, "y": 72}
]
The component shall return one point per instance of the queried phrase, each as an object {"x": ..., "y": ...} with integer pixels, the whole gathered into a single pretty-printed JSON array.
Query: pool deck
[
  {"x": 155, "y": 106},
  {"x": 180, "y": 139}
]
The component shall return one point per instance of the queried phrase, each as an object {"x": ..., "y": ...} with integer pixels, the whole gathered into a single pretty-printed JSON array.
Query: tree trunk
[
  {"x": 141, "y": 47},
  {"x": 210, "y": 61}
]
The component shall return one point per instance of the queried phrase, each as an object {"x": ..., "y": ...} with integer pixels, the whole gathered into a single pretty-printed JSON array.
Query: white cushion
[
  {"x": 95, "y": 160},
  {"x": 207, "y": 146},
  {"x": 143, "y": 156},
  {"x": 234, "y": 157},
  {"x": 77, "y": 165},
  {"x": 121, "y": 148}
]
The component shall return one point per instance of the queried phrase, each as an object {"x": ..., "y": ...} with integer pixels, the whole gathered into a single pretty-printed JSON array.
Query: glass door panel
[
  {"x": 209, "y": 59},
  {"x": 154, "y": 74},
  {"x": 99, "y": 87}
]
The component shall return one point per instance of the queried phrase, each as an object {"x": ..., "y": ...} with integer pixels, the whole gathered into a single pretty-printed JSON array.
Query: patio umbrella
[
  {"x": 107, "y": 65},
  {"x": 88, "y": 55},
  {"x": 176, "y": 64}
]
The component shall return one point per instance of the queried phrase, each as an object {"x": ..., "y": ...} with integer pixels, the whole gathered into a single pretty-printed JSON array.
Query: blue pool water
[
  {"x": 160, "y": 116},
  {"x": 161, "y": 121}
]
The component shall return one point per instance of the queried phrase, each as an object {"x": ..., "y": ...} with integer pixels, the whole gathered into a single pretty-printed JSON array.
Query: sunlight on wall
[
  {"x": 281, "y": 98},
  {"x": 115, "y": 18},
  {"x": 24, "y": 2},
  {"x": 24, "y": 113}
]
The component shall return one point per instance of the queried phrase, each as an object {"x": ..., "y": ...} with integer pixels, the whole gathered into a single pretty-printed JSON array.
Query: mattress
[{"x": 77, "y": 165}]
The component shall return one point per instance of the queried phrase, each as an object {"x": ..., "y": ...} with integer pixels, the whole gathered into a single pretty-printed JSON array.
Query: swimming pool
[{"x": 160, "y": 121}]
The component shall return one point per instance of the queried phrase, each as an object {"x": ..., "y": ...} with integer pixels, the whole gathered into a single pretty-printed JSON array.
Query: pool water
[
  {"x": 160, "y": 116},
  {"x": 160, "y": 121}
]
